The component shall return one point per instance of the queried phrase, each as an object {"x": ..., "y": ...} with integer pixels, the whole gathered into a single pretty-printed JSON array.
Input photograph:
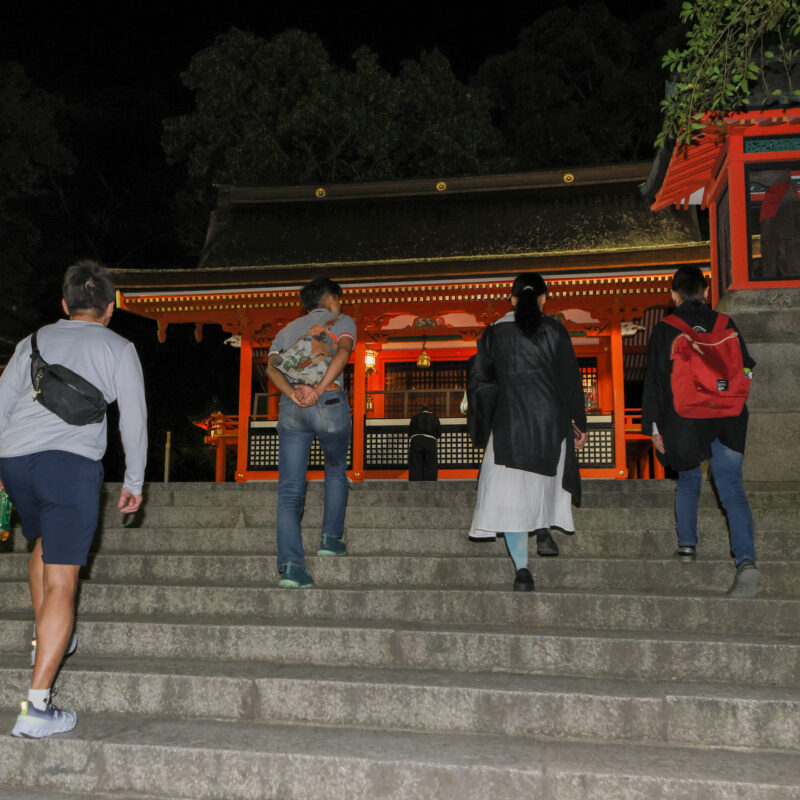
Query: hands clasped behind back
[{"x": 304, "y": 396}]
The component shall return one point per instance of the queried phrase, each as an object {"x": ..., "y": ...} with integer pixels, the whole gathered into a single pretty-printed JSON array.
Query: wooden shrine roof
[
  {"x": 410, "y": 222},
  {"x": 692, "y": 169},
  {"x": 601, "y": 262}
]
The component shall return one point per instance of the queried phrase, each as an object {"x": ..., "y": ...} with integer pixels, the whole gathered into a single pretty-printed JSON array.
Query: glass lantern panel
[{"x": 773, "y": 220}]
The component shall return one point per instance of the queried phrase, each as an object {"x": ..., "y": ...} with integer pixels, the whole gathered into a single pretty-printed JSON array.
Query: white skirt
[{"x": 515, "y": 500}]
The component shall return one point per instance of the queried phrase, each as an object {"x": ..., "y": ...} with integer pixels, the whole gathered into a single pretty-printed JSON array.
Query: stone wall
[{"x": 769, "y": 320}]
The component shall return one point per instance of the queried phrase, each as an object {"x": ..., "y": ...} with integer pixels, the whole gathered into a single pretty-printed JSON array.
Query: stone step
[
  {"x": 217, "y": 759},
  {"x": 674, "y": 613},
  {"x": 596, "y": 492},
  {"x": 586, "y": 518},
  {"x": 624, "y": 655},
  {"x": 621, "y": 574},
  {"x": 772, "y": 545},
  {"x": 427, "y": 701},
  {"x": 10, "y": 793}
]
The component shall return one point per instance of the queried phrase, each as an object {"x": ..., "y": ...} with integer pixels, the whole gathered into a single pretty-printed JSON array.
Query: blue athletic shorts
[{"x": 57, "y": 496}]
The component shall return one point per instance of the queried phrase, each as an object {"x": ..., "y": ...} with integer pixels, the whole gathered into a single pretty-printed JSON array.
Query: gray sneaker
[
  {"x": 745, "y": 582},
  {"x": 34, "y": 724}
]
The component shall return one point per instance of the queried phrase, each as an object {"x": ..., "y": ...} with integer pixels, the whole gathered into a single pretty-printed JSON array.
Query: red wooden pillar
[
  {"x": 737, "y": 204},
  {"x": 618, "y": 379},
  {"x": 245, "y": 400},
  {"x": 359, "y": 409},
  {"x": 605, "y": 383},
  {"x": 219, "y": 472},
  {"x": 713, "y": 255}
]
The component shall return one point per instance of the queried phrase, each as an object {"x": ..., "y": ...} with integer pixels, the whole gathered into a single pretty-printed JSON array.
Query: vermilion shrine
[{"x": 425, "y": 266}]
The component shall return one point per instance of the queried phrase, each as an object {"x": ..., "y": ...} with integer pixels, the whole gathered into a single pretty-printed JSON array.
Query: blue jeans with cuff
[
  {"x": 726, "y": 469},
  {"x": 329, "y": 421}
]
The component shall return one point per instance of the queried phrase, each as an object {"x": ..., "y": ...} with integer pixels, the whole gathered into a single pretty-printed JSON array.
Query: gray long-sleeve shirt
[{"x": 103, "y": 358}]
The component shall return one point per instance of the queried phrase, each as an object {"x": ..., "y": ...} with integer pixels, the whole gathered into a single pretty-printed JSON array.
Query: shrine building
[{"x": 425, "y": 265}]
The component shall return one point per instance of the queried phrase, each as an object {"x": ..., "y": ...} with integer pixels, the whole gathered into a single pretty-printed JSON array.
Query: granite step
[
  {"x": 216, "y": 759},
  {"x": 770, "y": 545},
  {"x": 412, "y": 670},
  {"x": 705, "y": 576},
  {"x": 390, "y": 492},
  {"x": 9, "y": 793},
  {"x": 634, "y": 655},
  {"x": 602, "y": 610},
  {"x": 426, "y": 701},
  {"x": 437, "y": 517}
]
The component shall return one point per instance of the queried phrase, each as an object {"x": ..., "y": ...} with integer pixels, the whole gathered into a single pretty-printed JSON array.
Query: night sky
[
  {"x": 70, "y": 47},
  {"x": 105, "y": 55}
]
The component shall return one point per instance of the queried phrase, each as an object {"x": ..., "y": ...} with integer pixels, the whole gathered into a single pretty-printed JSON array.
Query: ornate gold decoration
[
  {"x": 568, "y": 177},
  {"x": 320, "y": 193},
  {"x": 423, "y": 360},
  {"x": 441, "y": 186}
]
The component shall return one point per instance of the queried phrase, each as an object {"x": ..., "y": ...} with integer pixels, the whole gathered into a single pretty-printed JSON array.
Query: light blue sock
[{"x": 517, "y": 544}]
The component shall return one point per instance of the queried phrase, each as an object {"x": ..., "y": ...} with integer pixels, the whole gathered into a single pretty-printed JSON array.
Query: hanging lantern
[
  {"x": 370, "y": 405},
  {"x": 424, "y": 360},
  {"x": 370, "y": 360}
]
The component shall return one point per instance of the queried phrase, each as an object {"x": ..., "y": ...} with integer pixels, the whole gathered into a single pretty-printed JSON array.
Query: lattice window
[
  {"x": 408, "y": 377},
  {"x": 263, "y": 451},
  {"x": 456, "y": 450},
  {"x": 599, "y": 449},
  {"x": 386, "y": 447}
]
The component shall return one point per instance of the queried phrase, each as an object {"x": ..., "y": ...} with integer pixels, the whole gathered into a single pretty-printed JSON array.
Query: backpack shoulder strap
[
  {"x": 676, "y": 322},
  {"x": 34, "y": 346},
  {"x": 721, "y": 323}
]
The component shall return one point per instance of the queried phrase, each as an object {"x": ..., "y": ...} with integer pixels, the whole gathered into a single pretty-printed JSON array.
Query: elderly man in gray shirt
[{"x": 53, "y": 473}]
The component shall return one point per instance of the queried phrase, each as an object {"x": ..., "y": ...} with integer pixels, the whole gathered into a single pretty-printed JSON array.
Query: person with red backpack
[{"x": 693, "y": 405}]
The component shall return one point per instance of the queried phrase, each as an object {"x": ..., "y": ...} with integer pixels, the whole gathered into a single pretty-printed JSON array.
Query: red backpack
[{"x": 708, "y": 378}]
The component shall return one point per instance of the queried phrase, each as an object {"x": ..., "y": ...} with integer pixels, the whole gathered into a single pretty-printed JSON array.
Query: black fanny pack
[{"x": 64, "y": 392}]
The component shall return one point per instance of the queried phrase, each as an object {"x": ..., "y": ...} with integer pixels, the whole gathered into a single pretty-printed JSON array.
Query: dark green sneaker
[
  {"x": 295, "y": 578},
  {"x": 331, "y": 546}
]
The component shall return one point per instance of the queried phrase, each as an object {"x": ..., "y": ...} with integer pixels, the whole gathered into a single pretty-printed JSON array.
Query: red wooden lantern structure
[{"x": 746, "y": 170}]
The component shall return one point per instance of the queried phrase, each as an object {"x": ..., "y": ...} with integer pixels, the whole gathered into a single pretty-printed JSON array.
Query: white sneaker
[{"x": 34, "y": 724}]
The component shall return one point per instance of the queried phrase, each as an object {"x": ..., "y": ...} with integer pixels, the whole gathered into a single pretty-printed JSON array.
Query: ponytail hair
[{"x": 528, "y": 288}]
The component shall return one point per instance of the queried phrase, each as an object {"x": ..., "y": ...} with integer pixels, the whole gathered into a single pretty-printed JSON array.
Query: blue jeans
[
  {"x": 726, "y": 469},
  {"x": 330, "y": 421}
]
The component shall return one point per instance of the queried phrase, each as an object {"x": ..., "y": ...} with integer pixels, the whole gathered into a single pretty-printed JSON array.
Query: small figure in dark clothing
[{"x": 423, "y": 430}]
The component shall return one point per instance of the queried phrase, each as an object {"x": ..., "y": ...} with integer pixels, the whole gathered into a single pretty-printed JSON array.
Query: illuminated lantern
[{"x": 370, "y": 359}]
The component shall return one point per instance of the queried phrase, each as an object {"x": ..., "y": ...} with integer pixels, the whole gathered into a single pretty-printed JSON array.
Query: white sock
[{"x": 39, "y": 698}]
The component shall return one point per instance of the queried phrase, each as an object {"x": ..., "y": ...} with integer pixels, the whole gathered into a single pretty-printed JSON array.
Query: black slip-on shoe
[
  {"x": 686, "y": 553},
  {"x": 546, "y": 544},
  {"x": 524, "y": 581}
]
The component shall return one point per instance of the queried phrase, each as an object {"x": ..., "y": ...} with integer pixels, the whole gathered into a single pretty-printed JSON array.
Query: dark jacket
[
  {"x": 527, "y": 392},
  {"x": 425, "y": 422},
  {"x": 687, "y": 442}
]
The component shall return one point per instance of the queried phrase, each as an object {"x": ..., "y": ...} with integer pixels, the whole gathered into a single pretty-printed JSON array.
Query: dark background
[{"x": 116, "y": 68}]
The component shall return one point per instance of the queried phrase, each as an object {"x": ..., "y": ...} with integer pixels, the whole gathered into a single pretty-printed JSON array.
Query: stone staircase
[{"x": 412, "y": 670}]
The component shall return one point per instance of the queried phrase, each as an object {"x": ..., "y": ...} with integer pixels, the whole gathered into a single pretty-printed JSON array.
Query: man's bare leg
[
  {"x": 36, "y": 577},
  {"x": 55, "y": 618}
]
